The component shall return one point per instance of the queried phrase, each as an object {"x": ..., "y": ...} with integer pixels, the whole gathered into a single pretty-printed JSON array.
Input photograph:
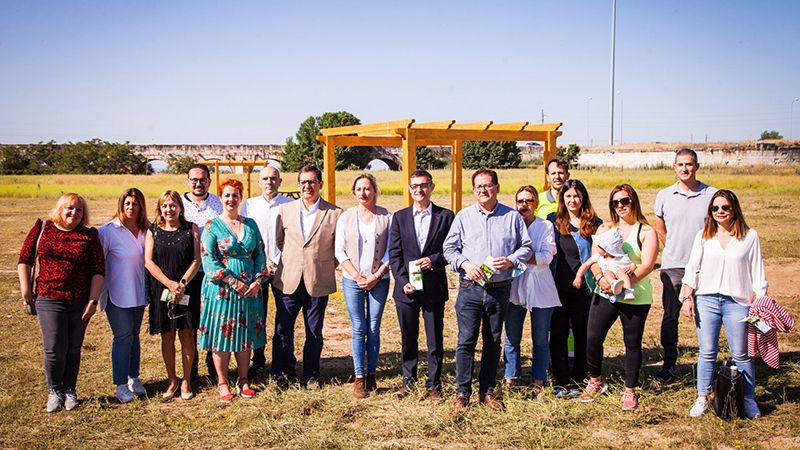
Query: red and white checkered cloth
[{"x": 766, "y": 344}]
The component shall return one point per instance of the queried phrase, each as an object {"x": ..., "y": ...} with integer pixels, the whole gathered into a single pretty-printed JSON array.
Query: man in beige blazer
[{"x": 304, "y": 234}]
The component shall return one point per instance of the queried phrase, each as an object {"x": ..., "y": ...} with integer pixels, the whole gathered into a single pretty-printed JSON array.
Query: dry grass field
[{"x": 331, "y": 418}]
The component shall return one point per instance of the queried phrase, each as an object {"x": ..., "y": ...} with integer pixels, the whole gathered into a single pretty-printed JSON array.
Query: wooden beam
[
  {"x": 370, "y": 127},
  {"x": 472, "y": 125},
  {"x": 443, "y": 125},
  {"x": 368, "y": 141},
  {"x": 543, "y": 126},
  {"x": 409, "y": 163},
  {"x": 447, "y": 136},
  {"x": 455, "y": 177},
  {"x": 516, "y": 126},
  {"x": 329, "y": 172}
]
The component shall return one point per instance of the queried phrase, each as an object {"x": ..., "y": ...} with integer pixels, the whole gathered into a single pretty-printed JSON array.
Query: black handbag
[
  {"x": 30, "y": 308},
  {"x": 728, "y": 401}
]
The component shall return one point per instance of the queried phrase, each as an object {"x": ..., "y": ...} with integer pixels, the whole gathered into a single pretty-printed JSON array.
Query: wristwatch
[
  {"x": 93, "y": 302},
  {"x": 182, "y": 282}
]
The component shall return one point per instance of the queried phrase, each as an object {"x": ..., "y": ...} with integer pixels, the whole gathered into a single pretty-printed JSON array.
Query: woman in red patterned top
[{"x": 71, "y": 272}]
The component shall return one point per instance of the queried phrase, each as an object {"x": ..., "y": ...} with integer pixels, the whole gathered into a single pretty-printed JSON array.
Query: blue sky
[{"x": 250, "y": 72}]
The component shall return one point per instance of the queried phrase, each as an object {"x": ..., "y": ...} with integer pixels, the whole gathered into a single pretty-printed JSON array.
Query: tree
[
  {"x": 305, "y": 149},
  {"x": 93, "y": 157},
  {"x": 491, "y": 155},
  {"x": 427, "y": 159},
  {"x": 568, "y": 155},
  {"x": 770, "y": 135},
  {"x": 179, "y": 164}
]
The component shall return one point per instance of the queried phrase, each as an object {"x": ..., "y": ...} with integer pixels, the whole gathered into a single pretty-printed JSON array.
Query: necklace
[{"x": 234, "y": 224}]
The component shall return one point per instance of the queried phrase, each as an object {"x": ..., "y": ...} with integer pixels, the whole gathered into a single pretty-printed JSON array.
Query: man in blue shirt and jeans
[{"x": 491, "y": 234}]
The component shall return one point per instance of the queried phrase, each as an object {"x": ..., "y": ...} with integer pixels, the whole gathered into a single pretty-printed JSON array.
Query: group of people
[{"x": 206, "y": 264}]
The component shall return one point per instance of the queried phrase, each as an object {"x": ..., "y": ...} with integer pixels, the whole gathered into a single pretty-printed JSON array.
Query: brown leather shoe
[
  {"x": 492, "y": 402},
  {"x": 372, "y": 384},
  {"x": 358, "y": 388},
  {"x": 435, "y": 396},
  {"x": 460, "y": 404},
  {"x": 403, "y": 392}
]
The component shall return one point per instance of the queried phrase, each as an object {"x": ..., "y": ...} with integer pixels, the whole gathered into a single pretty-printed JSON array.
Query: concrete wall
[{"x": 732, "y": 154}]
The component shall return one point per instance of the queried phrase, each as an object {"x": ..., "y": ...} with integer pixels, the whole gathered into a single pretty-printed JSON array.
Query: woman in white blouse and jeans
[
  {"x": 534, "y": 291},
  {"x": 726, "y": 273},
  {"x": 361, "y": 245},
  {"x": 124, "y": 296}
]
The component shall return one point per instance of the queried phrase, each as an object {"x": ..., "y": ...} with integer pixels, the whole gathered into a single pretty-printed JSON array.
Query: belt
[{"x": 498, "y": 284}]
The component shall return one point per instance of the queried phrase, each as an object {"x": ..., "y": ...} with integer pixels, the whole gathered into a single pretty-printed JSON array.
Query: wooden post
[
  {"x": 216, "y": 176},
  {"x": 248, "y": 170},
  {"x": 409, "y": 163},
  {"x": 329, "y": 173},
  {"x": 549, "y": 153},
  {"x": 455, "y": 177}
]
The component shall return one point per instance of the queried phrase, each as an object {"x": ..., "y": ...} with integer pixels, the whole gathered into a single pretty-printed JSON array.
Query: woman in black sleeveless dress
[{"x": 172, "y": 258}]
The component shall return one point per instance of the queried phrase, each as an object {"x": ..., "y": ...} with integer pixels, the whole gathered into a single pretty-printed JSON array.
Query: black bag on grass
[{"x": 728, "y": 401}]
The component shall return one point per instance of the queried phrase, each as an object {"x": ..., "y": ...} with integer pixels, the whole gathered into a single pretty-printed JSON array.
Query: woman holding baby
[{"x": 640, "y": 244}]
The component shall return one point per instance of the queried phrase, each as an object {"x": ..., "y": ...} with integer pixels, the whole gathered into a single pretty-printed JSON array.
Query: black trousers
[
  {"x": 433, "y": 317},
  {"x": 573, "y": 313},
  {"x": 602, "y": 316},
  {"x": 287, "y": 308},
  {"x": 62, "y": 335},
  {"x": 671, "y": 280}
]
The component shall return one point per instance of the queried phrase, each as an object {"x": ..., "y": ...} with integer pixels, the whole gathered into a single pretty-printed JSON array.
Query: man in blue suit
[{"x": 416, "y": 235}]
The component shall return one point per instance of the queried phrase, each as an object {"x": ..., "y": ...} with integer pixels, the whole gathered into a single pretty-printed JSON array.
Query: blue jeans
[
  {"x": 366, "y": 310},
  {"x": 125, "y": 349},
  {"x": 711, "y": 312},
  {"x": 479, "y": 312},
  {"x": 540, "y": 333}
]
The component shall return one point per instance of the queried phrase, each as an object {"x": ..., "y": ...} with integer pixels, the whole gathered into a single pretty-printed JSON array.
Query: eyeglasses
[
  {"x": 198, "y": 180},
  {"x": 414, "y": 187},
  {"x": 624, "y": 201},
  {"x": 725, "y": 208},
  {"x": 484, "y": 187},
  {"x": 526, "y": 201}
]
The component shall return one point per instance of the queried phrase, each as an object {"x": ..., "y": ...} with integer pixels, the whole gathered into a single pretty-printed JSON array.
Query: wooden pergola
[{"x": 409, "y": 135}]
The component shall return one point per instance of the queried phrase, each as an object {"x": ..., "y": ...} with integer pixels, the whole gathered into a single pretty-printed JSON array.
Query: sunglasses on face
[
  {"x": 725, "y": 208},
  {"x": 526, "y": 201},
  {"x": 624, "y": 201}
]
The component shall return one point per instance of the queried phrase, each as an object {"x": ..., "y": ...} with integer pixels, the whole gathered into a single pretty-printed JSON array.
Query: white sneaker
[
  {"x": 700, "y": 407},
  {"x": 751, "y": 410},
  {"x": 70, "y": 399},
  {"x": 629, "y": 294},
  {"x": 135, "y": 386},
  {"x": 55, "y": 400},
  {"x": 124, "y": 395}
]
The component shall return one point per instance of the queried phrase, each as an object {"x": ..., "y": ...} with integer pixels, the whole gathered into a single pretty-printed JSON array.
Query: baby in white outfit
[{"x": 613, "y": 261}]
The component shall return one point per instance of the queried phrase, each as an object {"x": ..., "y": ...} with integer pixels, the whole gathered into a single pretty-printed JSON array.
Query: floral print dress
[{"x": 228, "y": 321}]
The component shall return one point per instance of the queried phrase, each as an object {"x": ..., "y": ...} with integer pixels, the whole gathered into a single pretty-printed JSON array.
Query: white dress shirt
[
  {"x": 124, "y": 253},
  {"x": 307, "y": 217},
  {"x": 536, "y": 288},
  {"x": 422, "y": 224},
  {"x": 265, "y": 213},
  {"x": 736, "y": 271}
]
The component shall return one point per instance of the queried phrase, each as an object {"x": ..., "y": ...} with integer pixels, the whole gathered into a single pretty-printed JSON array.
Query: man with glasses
[
  {"x": 557, "y": 173},
  {"x": 264, "y": 210},
  {"x": 486, "y": 241},
  {"x": 416, "y": 236},
  {"x": 680, "y": 213},
  {"x": 199, "y": 207},
  {"x": 304, "y": 235}
]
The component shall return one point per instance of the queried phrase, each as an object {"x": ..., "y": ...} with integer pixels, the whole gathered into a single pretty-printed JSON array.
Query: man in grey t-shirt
[{"x": 680, "y": 213}]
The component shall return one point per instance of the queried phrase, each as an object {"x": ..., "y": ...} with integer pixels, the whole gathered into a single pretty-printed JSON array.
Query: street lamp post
[
  {"x": 791, "y": 117},
  {"x": 588, "y": 140},
  {"x": 621, "y": 111},
  {"x": 613, "y": 52}
]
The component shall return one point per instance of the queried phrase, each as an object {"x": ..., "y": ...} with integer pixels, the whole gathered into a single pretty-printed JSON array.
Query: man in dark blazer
[{"x": 417, "y": 234}]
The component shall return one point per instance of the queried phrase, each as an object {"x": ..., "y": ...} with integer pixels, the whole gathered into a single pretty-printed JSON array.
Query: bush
[
  {"x": 569, "y": 155},
  {"x": 179, "y": 164},
  {"x": 770, "y": 135}
]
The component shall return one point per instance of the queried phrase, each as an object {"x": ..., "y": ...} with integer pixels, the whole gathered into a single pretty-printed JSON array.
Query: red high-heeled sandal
[
  {"x": 246, "y": 393},
  {"x": 227, "y": 397}
]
